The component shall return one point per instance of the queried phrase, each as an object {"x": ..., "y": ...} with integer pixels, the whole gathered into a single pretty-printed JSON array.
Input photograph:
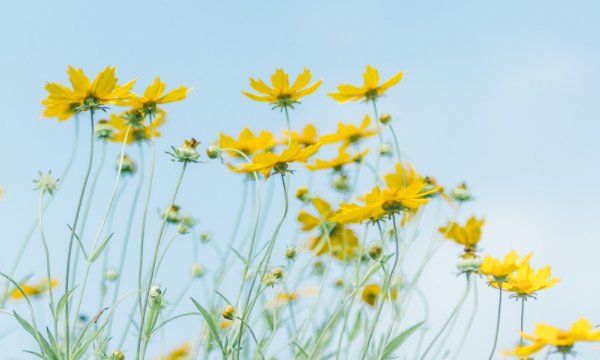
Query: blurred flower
[
  {"x": 343, "y": 158},
  {"x": 303, "y": 194},
  {"x": 247, "y": 142},
  {"x": 46, "y": 183},
  {"x": 197, "y": 270},
  {"x": 63, "y": 102},
  {"x": 371, "y": 90},
  {"x": 129, "y": 166},
  {"x": 268, "y": 163},
  {"x": 183, "y": 352},
  {"x": 467, "y": 235},
  {"x": 280, "y": 94},
  {"x": 461, "y": 193},
  {"x": 111, "y": 275},
  {"x": 171, "y": 214},
  {"x": 500, "y": 269},
  {"x": 307, "y": 137},
  {"x": 155, "y": 95},
  {"x": 350, "y": 133},
  {"x": 136, "y": 133},
  {"x": 525, "y": 282},
  {"x": 229, "y": 312},
  {"x": 562, "y": 340},
  {"x": 186, "y": 153},
  {"x": 33, "y": 290},
  {"x": 284, "y": 298},
  {"x": 371, "y": 293}
]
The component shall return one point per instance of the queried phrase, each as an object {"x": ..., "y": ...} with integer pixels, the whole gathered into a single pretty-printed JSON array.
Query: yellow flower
[
  {"x": 370, "y": 90},
  {"x": 307, "y": 137},
  {"x": 283, "y": 298},
  {"x": 350, "y": 134},
  {"x": 499, "y": 269},
  {"x": 333, "y": 238},
  {"x": 183, "y": 352},
  {"x": 247, "y": 142},
  {"x": 136, "y": 133},
  {"x": 343, "y": 158},
  {"x": 155, "y": 95},
  {"x": 33, "y": 290},
  {"x": 267, "y": 163},
  {"x": 379, "y": 203},
  {"x": 280, "y": 93},
  {"x": 63, "y": 102},
  {"x": 526, "y": 281},
  {"x": 563, "y": 340},
  {"x": 225, "y": 324},
  {"x": 468, "y": 235},
  {"x": 371, "y": 292}
]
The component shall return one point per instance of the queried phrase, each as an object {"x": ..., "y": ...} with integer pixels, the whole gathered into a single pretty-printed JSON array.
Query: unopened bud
[
  {"x": 129, "y": 166},
  {"x": 385, "y": 119},
  {"x": 229, "y": 312},
  {"x": 341, "y": 183},
  {"x": 375, "y": 251},
  {"x": 303, "y": 194},
  {"x": 111, "y": 275},
  {"x": 117, "y": 355},
  {"x": 290, "y": 253},
  {"x": 461, "y": 193},
  {"x": 197, "y": 270}
]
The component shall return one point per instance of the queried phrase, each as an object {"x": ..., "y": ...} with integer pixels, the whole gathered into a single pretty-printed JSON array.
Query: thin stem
[
  {"x": 142, "y": 350},
  {"x": 522, "y": 319},
  {"x": 289, "y": 125},
  {"x": 470, "y": 323},
  {"x": 497, "y": 322},
  {"x": 72, "y": 237},
  {"x": 47, "y": 254}
]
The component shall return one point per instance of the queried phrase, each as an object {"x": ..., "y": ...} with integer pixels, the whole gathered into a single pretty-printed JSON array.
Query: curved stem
[
  {"x": 497, "y": 322},
  {"x": 47, "y": 254},
  {"x": 72, "y": 237},
  {"x": 470, "y": 323}
]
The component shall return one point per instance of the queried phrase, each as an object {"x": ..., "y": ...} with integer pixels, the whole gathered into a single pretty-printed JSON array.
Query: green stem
[
  {"x": 522, "y": 319},
  {"x": 47, "y": 254},
  {"x": 289, "y": 125},
  {"x": 497, "y": 322},
  {"x": 72, "y": 237},
  {"x": 470, "y": 323}
]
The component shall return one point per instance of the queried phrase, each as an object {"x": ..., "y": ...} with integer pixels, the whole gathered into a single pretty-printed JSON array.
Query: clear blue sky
[{"x": 503, "y": 95}]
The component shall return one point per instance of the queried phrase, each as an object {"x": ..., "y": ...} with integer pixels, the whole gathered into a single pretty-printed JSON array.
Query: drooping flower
[
  {"x": 350, "y": 133},
  {"x": 247, "y": 142},
  {"x": 307, "y": 137},
  {"x": 155, "y": 95},
  {"x": 499, "y": 269},
  {"x": 33, "y": 290},
  {"x": 370, "y": 90},
  {"x": 526, "y": 281},
  {"x": 63, "y": 102},
  {"x": 182, "y": 352},
  {"x": 280, "y": 94},
  {"x": 136, "y": 133},
  {"x": 333, "y": 238},
  {"x": 370, "y": 294},
  {"x": 562, "y": 340},
  {"x": 467, "y": 235},
  {"x": 268, "y": 162},
  {"x": 343, "y": 158}
]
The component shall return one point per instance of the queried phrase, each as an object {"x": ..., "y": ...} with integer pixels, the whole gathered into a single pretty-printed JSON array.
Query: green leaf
[
  {"x": 242, "y": 258},
  {"x": 80, "y": 243},
  {"x": 62, "y": 302},
  {"x": 46, "y": 348},
  {"x": 356, "y": 328},
  {"x": 210, "y": 322},
  {"x": 399, "y": 340},
  {"x": 98, "y": 252}
]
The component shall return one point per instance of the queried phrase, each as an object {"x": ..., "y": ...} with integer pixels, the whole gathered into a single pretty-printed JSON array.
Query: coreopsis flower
[
  {"x": 499, "y": 269},
  {"x": 343, "y": 158},
  {"x": 268, "y": 163},
  {"x": 380, "y": 203},
  {"x": 307, "y": 137},
  {"x": 405, "y": 174},
  {"x": 280, "y": 94},
  {"x": 561, "y": 340},
  {"x": 350, "y": 133},
  {"x": 155, "y": 95},
  {"x": 467, "y": 235},
  {"x": 229, "y": 312},
  {"x": 526, "y": 281},
  {"x": 186, "y": 153},
  {"x": 63, "y": 102},
  {"x": 117, "y": 355},
  {"x": 136, "y": 133},
  {"x": 370, "y": 90},
  {"x": 333, "y": 238},
  {"x": 46, "y": 183},
  {"x": 34, "y": 290},
  {"x": 303, "y": 194},
  {"x": 183, "y": 352},
  {"x": 287, "y": 297},
  {"x": 171, "y": 214},
  {"x": 247, "y": 143},
  {"x": 370, "y": 294}
]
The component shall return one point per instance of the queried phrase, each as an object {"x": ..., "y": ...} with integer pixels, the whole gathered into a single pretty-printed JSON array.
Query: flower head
[
  {"x": 63, "y": 102},
  {"x": 467, "y": 235},
  {"x": 182, "y": 352},
  {"x": 562, "y": 340},
  {"x": 370, "y": 294},
  {"x": 155, "y": 95},
  {"x": 500, "y": 269},
  {"x": 268, "y": 162},
  {"x": 370, "y": 90},
  {"x": 343, "y": 158},
  {"x": 280, "y": 94},
  {"x": 284, "y": 298},
  {"x": 46, "y": 183},
  {"x": 137, "y": 133},
  {"x": 307, "y": 137},
  {"x": 350, "y": 133},
  {"x": 34, "y": 290},
  {"x": 526, "y": 281},
  {"x": 247, "y": 143}
]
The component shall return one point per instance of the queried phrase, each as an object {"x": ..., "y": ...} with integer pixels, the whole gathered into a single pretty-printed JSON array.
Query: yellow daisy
[
  {"x": 247, "y": 142},
  {"x": 500, "y": 269},
  {"x": 33, "y": 290},
  {"x": 526, "y": 281},
  {"x": 350, "y": 133},
  {"x": 370, "y": 294},
  {"x": 155, "y": 95},
  {"x": 343, "y": 158},
  {"x": 369, "y": 91},
  {"x": 307, "y": 137},
  {"x": 136, "y": 133},
  {"x": 280, "y": 94},
  {"x": 467, "y": 235},
  {"x": 268, "y": 162}
]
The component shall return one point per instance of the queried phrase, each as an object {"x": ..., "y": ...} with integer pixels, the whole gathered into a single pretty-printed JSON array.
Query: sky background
[{"x": 503, "y": 95}]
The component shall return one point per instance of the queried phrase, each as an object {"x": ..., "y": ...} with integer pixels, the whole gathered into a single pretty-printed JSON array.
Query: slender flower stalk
[
  {"x": 47, "y": 255},
  {"x": 497, "y": 322}
]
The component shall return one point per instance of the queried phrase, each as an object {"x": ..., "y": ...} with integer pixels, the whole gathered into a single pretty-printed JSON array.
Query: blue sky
[{"x": 500, "y": 94}]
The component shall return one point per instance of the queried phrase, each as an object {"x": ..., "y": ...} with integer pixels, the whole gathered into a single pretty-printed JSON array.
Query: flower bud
[
  {"x": 375, "y": 251},
  {"x": 341, "y": 183},
  {"x": 205, "y": 237},
  {"x": 385, "y": 150},
  {"x": 461, "y": 193},
  {"x": 117, "y": 355},
  {"x": 187, "y": 152},
  {"x": 197, "y": 270},
  {"x": 277, "y": 272},
  {"x": 229, "y": 312},
  {"x": 318, "y": 268},
  {"x": 129, "y": 166},
  {"x": 46, "y": 183},
  {"x": 213, "y": 151},
  {"x": 185, "y": 223},
  {"x": 469, "y": 264},
  {"x": 290, "y": 253},
  {"x": 171, "y": 214},
  {"x": 385, "y": 119},
  {"x": 111, "y": 275},
  {"x": 155, "y": 294},
  {"x": 339, "y": 283},
  {"x": 103, "y": 130},
  {"x": 302, "y": 194}
]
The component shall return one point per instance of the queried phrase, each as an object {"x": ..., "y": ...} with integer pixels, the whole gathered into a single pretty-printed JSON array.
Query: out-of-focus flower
[
  {"x": 461, "y": 193},
  {"x": 562, "y": 340},
  {"x": 467, "y": 235},
  {"x": 283, "y": 298},
  {"x": 197, "y": 270},
  {"x": 183, "y": 352},
  {"x": 229, "y": 312},
  {"x": 343, "y": 158},
  {"x": 247, "y": 143},
  {"x": 307, "y": 137},
  {"x": 33, "y": 290},
  {"x": 136, "y": 133},
  {"x": 155, "y": 95},
  {"x": 269, "y": 163},
  {"x": 371, "y": 293},
  {"x": 370, "y": 90},
  {"x": 280, "y": 94},
  {"x": 111, "y": 275},
  {"x": 63, "y": 102},
  {"x": 104, "y": 130},
  {"x": 350, "y": 133},
  {"x": 129, "y": 166},
  {"x": 117, "y": 355},
  {"x": 333, "y": 238},
  {"x": 500, "y": 269},
  {"x": 171, "y": 214},
  {"x": 46, "y": 183},
  {"x": 186, "y": 153},
  {"x": 303, "y": 194}
]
